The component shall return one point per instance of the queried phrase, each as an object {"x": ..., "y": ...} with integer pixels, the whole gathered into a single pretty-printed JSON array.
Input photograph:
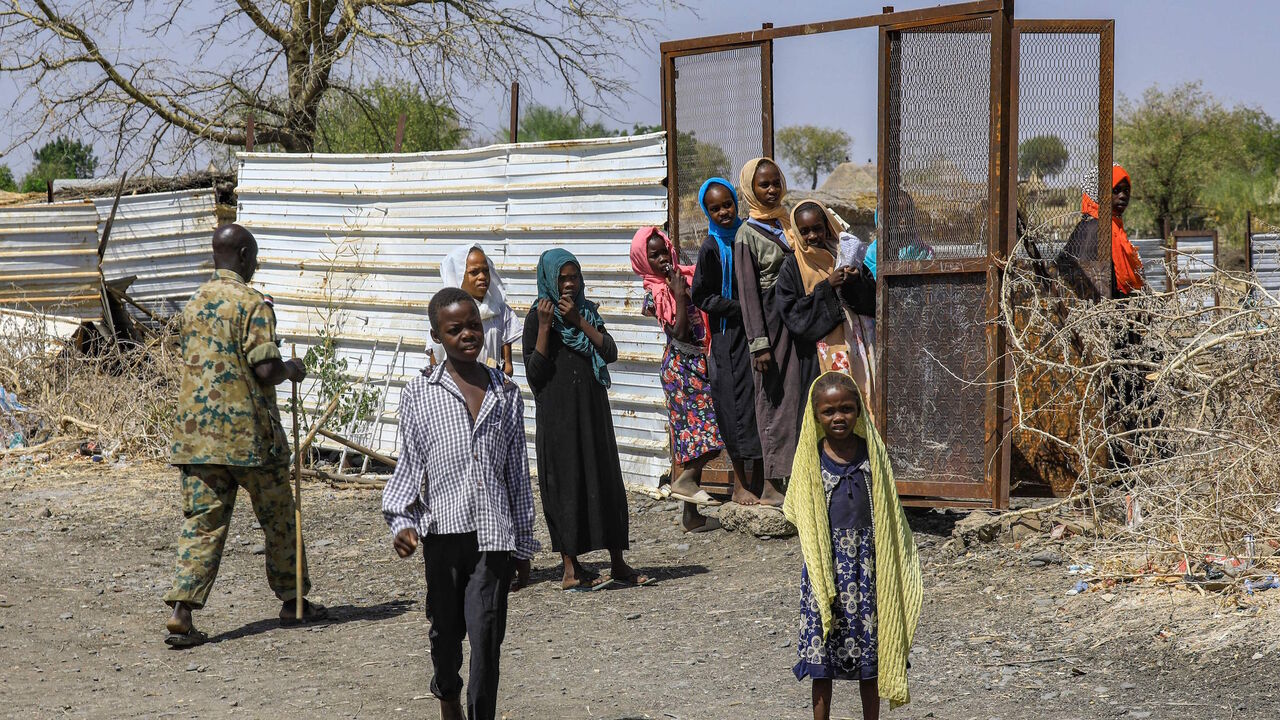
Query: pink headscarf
[{"x": 664, "y": 304}]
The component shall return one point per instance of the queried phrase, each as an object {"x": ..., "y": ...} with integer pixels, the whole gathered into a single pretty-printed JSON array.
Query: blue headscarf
[
  {"x": 870, "y": 258},
  {"x": 549, "y": 265},
  {"x": 724, "y": 237}
]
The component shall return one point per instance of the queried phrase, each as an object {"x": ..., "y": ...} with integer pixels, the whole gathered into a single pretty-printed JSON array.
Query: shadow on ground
[{"x": 338, "y": 615}]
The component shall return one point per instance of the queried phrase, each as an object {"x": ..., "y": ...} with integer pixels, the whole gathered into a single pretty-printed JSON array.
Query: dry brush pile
[
  {"x": 119, "y": 395},
  {"x": 1167, "y": 406}
]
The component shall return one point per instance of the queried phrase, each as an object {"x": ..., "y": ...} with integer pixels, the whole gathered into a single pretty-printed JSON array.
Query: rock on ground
[{"x": 755, "y": 519}]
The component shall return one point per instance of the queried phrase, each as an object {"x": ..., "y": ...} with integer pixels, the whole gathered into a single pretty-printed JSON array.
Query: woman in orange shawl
[{"x": 1126, "y": 276}]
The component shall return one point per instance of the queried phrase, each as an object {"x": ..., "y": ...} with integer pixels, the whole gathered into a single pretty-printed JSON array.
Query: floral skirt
[
  {"x": 850, "y": 651},
  {"x": 692, "y": 411}
]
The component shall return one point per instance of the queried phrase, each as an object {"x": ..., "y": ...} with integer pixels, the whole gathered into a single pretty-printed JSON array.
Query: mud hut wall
[{"x": 351, "y": 245}]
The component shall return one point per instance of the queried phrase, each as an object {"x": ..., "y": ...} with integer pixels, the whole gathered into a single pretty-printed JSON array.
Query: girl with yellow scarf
[{"x": 861, "y": 585}]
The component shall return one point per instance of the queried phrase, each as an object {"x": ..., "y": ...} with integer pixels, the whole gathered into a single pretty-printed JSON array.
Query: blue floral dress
[
  {"x": 687, "y": 385},
  {"x": 850, "y": 652}
]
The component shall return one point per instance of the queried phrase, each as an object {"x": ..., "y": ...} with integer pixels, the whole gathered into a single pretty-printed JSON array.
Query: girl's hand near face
[
  {"x": 546, "y": 313},
  {"x": 569, "y": 312},
  {"x": 675, "y": 281}
]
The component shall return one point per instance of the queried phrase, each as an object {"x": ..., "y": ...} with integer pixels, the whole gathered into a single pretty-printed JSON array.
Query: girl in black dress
[
  {"x": 716, "y": 293},
  {"x": 566, "y": 356}
]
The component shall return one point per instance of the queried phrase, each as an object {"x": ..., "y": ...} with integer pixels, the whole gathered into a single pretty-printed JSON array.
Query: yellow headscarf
[
  {"x": 899, "y": 588},
  {"x": 755, "y": 208}
]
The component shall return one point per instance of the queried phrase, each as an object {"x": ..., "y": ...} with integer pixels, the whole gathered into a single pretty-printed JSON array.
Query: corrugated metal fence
[
  {"x": 162, "y": 239},
  {"x": 1152, "y": 253},
  {"x": 350, "y": 248},
  {"x": 1264, "y": 253},
  {"x": 49, "y": 261}
]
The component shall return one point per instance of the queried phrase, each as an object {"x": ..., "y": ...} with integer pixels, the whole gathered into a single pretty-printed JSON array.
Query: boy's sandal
[
  {"x": 635, "y": 580},
  {"x": 188, "y": 639},
  {"x": 591, "y": 585},
  {"x": 699, "y": 498}
]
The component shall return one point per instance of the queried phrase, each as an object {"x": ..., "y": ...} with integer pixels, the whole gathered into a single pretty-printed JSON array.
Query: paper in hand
[{"x": 852, "y": 251}]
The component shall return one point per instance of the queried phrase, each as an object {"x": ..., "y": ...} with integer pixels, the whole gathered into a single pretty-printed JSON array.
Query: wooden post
[
  {"x": 248, "y": 133},
  {"x": 48, "y": 186},
  {"x": 297, "y": 483},
  {"x": 515, "y": 112},
  {"x": 400, "y": 131}
]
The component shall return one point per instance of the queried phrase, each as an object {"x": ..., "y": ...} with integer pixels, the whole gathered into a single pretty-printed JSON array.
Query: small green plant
[{"x": 330, "y": 372}]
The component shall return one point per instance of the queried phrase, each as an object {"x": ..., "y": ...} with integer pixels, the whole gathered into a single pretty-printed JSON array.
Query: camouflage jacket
[{"x": 225, "y": 416}]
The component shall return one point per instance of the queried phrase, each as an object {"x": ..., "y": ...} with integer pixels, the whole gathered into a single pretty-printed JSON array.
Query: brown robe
[{"x": 757, "y": 259}]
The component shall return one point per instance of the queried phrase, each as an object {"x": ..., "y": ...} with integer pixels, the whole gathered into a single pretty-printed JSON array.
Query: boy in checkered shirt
[{"x": 461, "y": 489}]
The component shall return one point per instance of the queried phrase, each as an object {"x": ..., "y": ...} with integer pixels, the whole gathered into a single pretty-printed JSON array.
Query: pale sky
[{"x": 830, "y": 79}]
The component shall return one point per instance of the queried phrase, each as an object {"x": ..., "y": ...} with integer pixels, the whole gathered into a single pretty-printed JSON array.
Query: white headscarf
[{"x": 500, "y": 323}]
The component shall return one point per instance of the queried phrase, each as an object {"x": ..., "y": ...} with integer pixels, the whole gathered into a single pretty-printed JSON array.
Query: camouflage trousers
[{"x": 208, "y": 498}]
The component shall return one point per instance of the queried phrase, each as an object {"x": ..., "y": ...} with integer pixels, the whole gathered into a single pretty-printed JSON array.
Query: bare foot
[
  {"x": 771, "y": 496},
  {"x": 743, "y": 496}
]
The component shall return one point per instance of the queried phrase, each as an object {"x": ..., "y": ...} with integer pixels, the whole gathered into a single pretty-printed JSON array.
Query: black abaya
[
  {"x": 732, "y": 386},
  {"x": 811, "y": 317},
  {"x": 579, "y": 478}
]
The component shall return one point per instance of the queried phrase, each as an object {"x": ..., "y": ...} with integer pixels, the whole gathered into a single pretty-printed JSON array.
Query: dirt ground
[{"x": 87, "y": 550}]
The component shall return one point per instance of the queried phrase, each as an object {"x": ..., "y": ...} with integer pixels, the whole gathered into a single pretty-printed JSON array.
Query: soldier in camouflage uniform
[{"x": 228, "y": 435}]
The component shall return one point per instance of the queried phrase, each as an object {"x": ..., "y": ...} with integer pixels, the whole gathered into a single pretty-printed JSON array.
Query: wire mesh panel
[
  {"x": 935, "y": 332},
  {"x": 719, "y": 99},
  {"x": 937, "y": 131},
  {"x": 1060, "y": 137},
  {"x": 1063, "y": 131},
  {"x": 938, "y": 196}
]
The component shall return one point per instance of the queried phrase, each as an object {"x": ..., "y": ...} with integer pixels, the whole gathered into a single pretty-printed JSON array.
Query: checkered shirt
[{"x": 456, "y": 476}]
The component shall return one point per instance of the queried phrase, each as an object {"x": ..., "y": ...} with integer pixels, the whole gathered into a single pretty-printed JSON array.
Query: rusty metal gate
[
  {"x": 948, "y": 194},
  {"x": 945, "y": 196},
  {"x": 1063, "y": 123}
]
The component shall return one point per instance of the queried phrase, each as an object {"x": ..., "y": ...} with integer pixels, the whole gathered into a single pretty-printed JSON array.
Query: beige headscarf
[
  {"x": 816, "y": 263},
  {"x": 755, "y": 208}
]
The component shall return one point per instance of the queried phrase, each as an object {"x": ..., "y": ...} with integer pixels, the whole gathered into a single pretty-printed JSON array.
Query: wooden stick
[
  {"x": 340, "y": 478},
  {"x": 297, "y": 498},
  {"x": 24, "y": 450},
  {"x": 324, "y": 417},
  {"x": 370, "y": 452}
]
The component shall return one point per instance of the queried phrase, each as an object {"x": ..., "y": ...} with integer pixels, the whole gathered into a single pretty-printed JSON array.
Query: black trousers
[{"x": 466, "y": 597}]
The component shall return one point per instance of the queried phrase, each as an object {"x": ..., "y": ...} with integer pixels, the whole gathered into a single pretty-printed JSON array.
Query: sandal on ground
[
  {"x": 182, "y": 640},
  {"x": 589, "y": 585},
  {"x": 311, "y": 612},
  {"x": 636, "y": 579},
  {"x": 699, "y": 498},
  {"x": 710, "y": 524}
]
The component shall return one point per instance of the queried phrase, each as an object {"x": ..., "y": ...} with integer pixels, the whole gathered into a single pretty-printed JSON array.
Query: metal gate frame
[
  {"x": 1061, "y": 478},
  {"x": 994, "y": 489},
  {"x": 763, "y": 38}
]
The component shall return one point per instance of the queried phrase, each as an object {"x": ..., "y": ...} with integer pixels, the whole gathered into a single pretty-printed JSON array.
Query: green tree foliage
[
  {"x": 366, "y": 121},
  {"x": 540, "y": 123},
  {"x": 6, "y": 179},
  {"x": 1043, "y": 156},
  {"x": 1194, "y": 162},
  {"x": 814, "y": 150},
  {"x": 63, "y": 158},
  {"x": 700, "y": 160}
]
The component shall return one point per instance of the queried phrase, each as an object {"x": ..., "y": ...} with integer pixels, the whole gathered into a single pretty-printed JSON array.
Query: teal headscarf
[{"x": 549, "y": 265}]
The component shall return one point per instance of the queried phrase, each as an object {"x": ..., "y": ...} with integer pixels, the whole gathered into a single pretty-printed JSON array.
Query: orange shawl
[{"x": 1124, "y": 257}]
